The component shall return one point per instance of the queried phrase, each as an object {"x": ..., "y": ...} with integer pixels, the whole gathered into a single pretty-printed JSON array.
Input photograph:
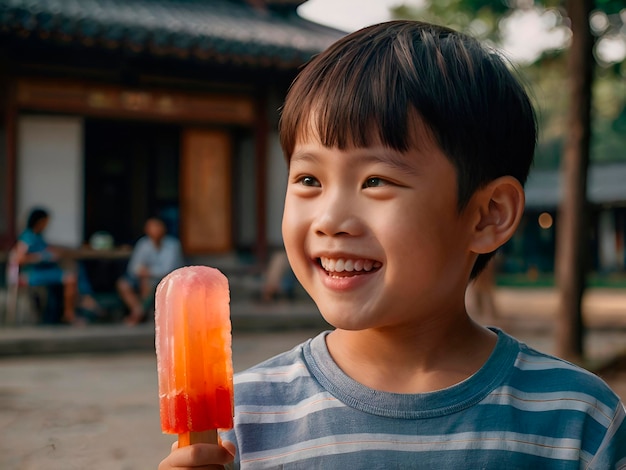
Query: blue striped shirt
[{"x": 522, "y": 410}]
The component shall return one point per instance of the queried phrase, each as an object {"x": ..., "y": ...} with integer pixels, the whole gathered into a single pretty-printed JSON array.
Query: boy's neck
[{"x": 424, "y": 360}]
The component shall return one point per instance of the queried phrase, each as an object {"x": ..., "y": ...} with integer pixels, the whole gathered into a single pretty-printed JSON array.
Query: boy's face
[{"x": 374, "y": 235}]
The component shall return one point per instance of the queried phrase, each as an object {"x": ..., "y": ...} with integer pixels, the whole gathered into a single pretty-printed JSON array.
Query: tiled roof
[
  {"x": 209, "y": 30},
  {"x": 544, "y": 188}
]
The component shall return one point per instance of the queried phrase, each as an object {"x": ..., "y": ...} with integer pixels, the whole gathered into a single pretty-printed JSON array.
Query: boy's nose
[{"x": 337, "y": 217}]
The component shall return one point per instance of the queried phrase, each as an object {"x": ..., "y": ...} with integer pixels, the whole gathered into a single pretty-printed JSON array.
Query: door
[{"x": 206, "y": 191}]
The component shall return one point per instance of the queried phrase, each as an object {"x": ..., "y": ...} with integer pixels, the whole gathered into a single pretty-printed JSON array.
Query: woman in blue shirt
[{"x": 39, "y": 265}]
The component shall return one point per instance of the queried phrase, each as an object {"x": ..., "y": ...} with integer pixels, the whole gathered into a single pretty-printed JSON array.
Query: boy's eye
[
  {"x": 373, "y": 182},
  {"x": 309, "y": 181}
]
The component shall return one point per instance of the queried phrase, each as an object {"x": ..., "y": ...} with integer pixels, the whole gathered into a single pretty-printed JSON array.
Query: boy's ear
[{"x": 498, "y": 210}]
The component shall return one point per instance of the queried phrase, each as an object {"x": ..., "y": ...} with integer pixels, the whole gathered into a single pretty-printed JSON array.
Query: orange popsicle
[{"x": 194, "y": 357}]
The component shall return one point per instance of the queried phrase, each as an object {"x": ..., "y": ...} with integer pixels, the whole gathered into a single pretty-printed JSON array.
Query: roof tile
[{"x": 226, "y": 30}]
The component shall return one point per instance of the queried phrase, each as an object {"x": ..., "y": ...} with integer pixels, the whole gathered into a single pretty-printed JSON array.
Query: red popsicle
[{"x": 194, "y": 356}]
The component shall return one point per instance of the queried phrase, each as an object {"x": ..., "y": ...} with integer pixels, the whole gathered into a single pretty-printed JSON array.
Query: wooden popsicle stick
[{"x": 191, "y": 437}]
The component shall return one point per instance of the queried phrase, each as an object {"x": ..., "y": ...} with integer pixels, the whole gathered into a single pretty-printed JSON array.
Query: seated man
[{"x": 155, "y": 255}]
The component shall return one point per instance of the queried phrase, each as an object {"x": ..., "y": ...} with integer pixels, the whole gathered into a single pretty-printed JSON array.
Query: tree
[
  {"x": 572, "y": 229},
  {"x": 483, "y": 18}
]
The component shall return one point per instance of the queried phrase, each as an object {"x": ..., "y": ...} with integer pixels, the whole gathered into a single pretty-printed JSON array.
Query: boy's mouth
[{"x": 348, "y": 266}]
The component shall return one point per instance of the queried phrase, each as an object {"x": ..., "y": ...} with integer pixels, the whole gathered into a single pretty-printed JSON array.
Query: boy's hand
[{"x": 199, "y": 456}]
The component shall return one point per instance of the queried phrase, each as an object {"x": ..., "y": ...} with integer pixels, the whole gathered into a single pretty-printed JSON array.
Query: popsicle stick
[{"x": 188, "y": 438}]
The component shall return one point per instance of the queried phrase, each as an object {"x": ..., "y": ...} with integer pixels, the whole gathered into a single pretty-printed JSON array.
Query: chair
[
  {"x": 35, "y": 299},
  {"x": 13, "y": 285}
]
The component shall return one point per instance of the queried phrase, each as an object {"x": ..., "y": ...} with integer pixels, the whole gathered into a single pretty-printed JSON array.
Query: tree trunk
[{"x": 572, "y": 228}]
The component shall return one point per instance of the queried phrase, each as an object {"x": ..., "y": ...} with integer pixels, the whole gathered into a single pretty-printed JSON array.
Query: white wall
[{"x": 50, "y": 174}]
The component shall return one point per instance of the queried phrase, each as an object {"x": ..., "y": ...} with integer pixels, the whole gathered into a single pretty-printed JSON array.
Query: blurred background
[
  {"x": 116, "y": 110},
  {"x": 112, "y": 111}
]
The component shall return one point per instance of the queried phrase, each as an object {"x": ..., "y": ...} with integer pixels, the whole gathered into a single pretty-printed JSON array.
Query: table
[{"x": 88, "y": 253}]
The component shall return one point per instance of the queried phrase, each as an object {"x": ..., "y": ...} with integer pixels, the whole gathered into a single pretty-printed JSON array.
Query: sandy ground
[
  {"x": 100, "y": 411},
  {"x": 96, "y": 412}
]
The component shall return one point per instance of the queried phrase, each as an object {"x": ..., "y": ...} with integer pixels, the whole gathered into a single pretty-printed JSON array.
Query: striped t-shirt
[{"x": 522, "y": 410}]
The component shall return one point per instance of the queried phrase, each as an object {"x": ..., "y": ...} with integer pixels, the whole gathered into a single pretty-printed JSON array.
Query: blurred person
[
  {"x": 155, "y": 254},
  {"x": 42, "y": 264},
  {"x": 279, "y": 278}
]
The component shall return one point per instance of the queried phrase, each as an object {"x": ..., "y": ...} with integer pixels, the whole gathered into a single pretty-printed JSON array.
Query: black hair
[
  {"x": 36, "y": 214},
  {"x": 365, "y": 88}
]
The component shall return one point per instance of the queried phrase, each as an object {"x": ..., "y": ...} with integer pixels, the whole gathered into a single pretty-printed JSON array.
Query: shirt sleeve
[
  {"x": 35, "y": 243},
  {"x": 612, "y": 451},
  {"x": 31, "y": 241}
]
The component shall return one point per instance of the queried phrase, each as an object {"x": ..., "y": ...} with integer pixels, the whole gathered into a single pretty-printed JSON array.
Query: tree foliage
[
  {"x": 487, "y": 19},
  {"x": 484, "y": 19}
]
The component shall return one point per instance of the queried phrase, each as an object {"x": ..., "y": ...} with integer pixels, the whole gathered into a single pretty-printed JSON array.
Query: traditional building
[
  {"x": 113, "y": 110},
  {"x": 533, "y": 247}
]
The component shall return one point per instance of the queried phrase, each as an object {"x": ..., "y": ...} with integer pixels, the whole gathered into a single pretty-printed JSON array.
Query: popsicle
[{"x": 194, "y": 357}]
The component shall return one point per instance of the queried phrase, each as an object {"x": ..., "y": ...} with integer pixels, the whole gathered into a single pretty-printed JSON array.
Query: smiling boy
[{"x": 408, "y": 145}]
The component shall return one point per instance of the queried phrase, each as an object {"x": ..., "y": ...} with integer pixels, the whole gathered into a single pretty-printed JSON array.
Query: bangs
[{"x": 346, "y": 100}]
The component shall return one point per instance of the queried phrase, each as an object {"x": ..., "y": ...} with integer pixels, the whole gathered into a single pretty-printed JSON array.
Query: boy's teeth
[{"x": 348, "y": 265}]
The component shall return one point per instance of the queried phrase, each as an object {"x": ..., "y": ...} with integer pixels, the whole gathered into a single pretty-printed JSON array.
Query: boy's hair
[{"x": 366, "y": 88}]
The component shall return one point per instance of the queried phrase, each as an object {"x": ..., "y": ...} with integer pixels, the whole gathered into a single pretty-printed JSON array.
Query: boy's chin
[{"x": 343, "y": 320}]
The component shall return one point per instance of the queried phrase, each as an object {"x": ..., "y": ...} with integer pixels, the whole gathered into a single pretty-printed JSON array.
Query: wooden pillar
[{"x": 7, "y": 239}]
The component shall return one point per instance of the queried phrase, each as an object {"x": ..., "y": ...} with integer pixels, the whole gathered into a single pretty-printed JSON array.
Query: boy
[{"x": 407, "y": 146}]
